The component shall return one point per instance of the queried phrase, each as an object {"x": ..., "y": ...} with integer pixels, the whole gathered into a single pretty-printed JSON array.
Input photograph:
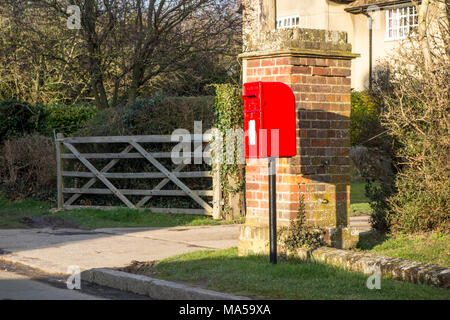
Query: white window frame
[
  {"x": 288, "y": 22},
  {"x": 396, "y": 29}
]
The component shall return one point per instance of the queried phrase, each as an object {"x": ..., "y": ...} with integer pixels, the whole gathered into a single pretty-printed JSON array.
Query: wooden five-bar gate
[{"x": 64, "y": 144}]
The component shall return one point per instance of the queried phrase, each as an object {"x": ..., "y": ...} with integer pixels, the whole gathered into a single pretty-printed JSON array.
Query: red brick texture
[{"x": 321, "y": 170}]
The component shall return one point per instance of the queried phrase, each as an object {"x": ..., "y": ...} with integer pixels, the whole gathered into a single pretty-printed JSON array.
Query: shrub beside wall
[
  {"x": 417, "y": 116},
  {"x": 28, "y": 167}
]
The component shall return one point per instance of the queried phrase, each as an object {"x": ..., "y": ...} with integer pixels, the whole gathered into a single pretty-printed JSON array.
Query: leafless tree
[{"x": 123, "y": 44}]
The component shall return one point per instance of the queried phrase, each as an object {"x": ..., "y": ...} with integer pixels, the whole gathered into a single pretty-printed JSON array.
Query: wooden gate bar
[
  {"x": 128, "y": 155},
  {"x": 177, "y": 210},
  {"x": 139, "y": 139},
  {"x": 91, "y": 182},
  {"x": 137, "y": 192},
  {"x": 138, "y": 175},
  {"x": 100, "y": 176},
  {"x": 169, "y": 175},
  {"x": 155, "y": 210},
  {"x": 160, "y": 186}
]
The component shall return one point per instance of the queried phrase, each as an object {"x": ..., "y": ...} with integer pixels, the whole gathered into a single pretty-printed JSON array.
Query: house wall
[{"x": 324, "y": 14}]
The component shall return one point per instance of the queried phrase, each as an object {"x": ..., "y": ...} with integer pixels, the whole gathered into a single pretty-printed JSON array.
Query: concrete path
[
  {"x": 14, "y": 286},
  {"x": 361, "y": 223},
  {"x": 54, "y": 251}
]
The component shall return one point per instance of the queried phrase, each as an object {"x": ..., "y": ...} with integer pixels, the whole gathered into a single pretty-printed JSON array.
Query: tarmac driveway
[{"x": 55, "y": 250}]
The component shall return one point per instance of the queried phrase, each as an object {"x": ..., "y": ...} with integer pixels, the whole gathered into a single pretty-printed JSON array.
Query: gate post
[
  {"x": 217, "y": 192},
  {"x": 59, "y": 169}
]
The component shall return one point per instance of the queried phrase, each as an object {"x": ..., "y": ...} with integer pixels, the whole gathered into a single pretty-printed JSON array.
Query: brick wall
[{"x": 321, "y": 170}]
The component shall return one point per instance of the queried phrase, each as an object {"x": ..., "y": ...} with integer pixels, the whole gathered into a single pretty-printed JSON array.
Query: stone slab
[{"x": 154, "y": 288}]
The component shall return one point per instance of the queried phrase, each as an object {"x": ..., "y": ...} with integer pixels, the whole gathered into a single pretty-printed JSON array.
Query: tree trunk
[
  {"x": 138, "y": 74},
  {"x": 103, "y": 98},
  {"x": 443, "y": 21},
  {"x": 115, "y": 93},
  {"x": 423, "y": 36}
]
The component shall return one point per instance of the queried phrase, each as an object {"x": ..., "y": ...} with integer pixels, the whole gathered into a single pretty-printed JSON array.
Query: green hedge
[
  {"x": 19, "y": 118},
  {"x": 68, "y": 119},
  {"x": 364, "y": 117},
  {"x": 155, "y": 115}
]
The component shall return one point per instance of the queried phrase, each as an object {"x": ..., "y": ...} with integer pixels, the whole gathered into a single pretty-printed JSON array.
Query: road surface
[{"x": 14, "y": 286}]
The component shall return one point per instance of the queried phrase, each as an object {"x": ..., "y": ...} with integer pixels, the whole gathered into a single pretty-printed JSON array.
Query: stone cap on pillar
[{"x": 311, "y": 42}]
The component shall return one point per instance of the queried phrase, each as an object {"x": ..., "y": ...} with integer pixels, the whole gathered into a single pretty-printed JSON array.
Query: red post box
[
  {"x": 269, "y": 125},
  {"x": 269, "y": 120}
]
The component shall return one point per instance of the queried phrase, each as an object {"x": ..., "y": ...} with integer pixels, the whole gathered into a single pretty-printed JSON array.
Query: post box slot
[{"x": 251, "y": 104}]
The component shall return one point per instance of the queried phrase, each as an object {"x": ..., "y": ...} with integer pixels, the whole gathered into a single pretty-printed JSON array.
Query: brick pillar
[{"x": 316, "y": 64}]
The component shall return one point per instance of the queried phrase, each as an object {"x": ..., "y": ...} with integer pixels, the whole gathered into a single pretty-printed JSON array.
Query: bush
[
  {"x": 156, "y": 115},
  {"x": 28, "y": 167},
  {"x": 422, "y": 204},
  {"x": 68, "y": 119},
  {"x": 364, "y": 117},
  {"x": 366, "y": 127},
  {"x": 417, "y": 117},
  {"x": 19, "y": 118},
  {"x": 378, "y": 195}
]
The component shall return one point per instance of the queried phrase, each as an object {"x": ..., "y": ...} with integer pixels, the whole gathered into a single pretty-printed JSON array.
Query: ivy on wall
[{"x": 228, "y": 114}]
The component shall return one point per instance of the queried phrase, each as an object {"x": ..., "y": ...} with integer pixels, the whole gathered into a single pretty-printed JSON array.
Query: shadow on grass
[
  {"x": 358, "y": 193},
  {"x": 429, "y": 248},
  {"x": 369, "y": 240}
]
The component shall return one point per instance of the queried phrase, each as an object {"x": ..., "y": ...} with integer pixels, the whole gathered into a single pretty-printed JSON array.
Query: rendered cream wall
[
  {"x": 381, "y": 48},
  {"x": 313, "y": 13},
  {"x": 324, "y": 14}
]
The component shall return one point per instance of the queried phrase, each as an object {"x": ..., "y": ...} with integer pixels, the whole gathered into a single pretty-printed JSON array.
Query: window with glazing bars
[
  {"x": 400, "y": 21},
  {"x": 288, "y": 22}
]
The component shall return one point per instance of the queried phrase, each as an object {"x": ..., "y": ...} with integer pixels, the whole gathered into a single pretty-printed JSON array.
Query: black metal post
[
  {"x": 366, "y": 13},
  {"x": 370, "y": 51},
  {"x": 273, "y": 209}
]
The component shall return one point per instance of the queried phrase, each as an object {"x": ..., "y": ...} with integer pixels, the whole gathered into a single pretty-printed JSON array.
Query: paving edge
[
  {"x": 154, "y": 288},
  {"x": 369, "y": 263}
]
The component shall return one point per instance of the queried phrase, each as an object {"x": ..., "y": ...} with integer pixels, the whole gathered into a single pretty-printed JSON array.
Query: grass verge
[
  {"x": 359, "y": 204},
  {"x": 12, "y": 212},
  {"x": 427, "y": 248},
  {"x": 253, "y": 276}
]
